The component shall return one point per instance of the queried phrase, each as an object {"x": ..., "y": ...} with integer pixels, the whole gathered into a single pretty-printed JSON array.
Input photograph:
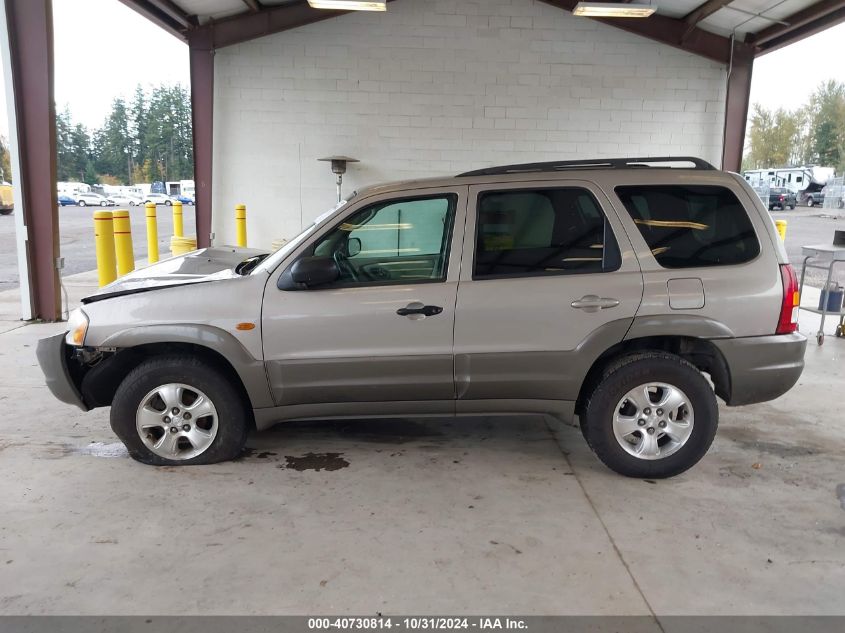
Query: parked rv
[{"x": 805, "y": 182}]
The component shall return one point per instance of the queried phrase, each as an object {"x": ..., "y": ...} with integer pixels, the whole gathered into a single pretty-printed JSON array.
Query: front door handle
[
  {"x": 418, "y": 308},
  {"x": 594, "y": 303}
]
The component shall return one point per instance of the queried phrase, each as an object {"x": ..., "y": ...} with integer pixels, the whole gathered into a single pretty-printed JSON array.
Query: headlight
[{"x": 77, "y": 327}]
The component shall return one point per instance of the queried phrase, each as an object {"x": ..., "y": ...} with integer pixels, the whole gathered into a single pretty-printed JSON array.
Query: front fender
[{"x": 249, "y": 369}]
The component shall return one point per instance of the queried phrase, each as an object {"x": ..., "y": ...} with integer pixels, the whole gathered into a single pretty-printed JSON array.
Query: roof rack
[{"x": 598, "y": 163}]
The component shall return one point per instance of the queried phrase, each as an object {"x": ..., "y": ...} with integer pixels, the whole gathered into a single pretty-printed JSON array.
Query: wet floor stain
[{"x": 315, "y": 461}]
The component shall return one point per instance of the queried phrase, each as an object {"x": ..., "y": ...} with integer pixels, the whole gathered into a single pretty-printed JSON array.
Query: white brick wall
[{"x": 435, "y": 87}]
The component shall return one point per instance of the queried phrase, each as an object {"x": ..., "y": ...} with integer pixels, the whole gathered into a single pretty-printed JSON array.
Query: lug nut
[
  {"x": 174, "y": 429},
  {"x": 187, "y": 416},
  {"x": 660, "y": 412},
  {"x": 175, "y": 411},
  {"x": 641, "y": 422},
  {"x": 647, "y": 411},
  {"x": 166, "y": 419},
  {"x": 186, "y": 427},
  {"x": 650, "y": 430},
  {"x": 662, "y": 424}
]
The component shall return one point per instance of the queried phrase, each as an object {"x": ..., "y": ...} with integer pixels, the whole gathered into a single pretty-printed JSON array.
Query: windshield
[{"x": 269, "y": 264}]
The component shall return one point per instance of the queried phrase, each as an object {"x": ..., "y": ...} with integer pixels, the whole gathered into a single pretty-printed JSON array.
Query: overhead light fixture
[
  {"x": 350, "y": 5},
  {"x": 612, "y": 10}
]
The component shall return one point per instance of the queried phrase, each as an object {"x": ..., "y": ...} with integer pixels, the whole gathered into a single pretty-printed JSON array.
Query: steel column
[
  {"x": 736, "y": 107},
  {"x": 202, "y": 114},
  {"x": 30, "y": 25}
]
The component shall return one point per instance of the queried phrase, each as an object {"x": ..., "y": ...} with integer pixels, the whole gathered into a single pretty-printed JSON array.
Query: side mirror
[
  {"x": 314, "y": 271},
  {"x": 353, "y": 246}
]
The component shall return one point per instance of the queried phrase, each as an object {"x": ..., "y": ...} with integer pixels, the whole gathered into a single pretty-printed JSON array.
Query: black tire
[
  {"x": 624, "y": 375},
  {"x": 167, "y": 203},
  {"x": 80, "y": 203},
  {"x": 234, "y": 419},
  {"x": 5, "y": 211}
]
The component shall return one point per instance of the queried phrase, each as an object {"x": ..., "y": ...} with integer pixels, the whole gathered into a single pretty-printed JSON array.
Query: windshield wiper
[{"x": 247, "y": 265}]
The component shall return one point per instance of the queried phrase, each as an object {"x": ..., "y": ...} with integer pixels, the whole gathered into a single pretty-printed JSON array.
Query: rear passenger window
[
  {"x": 542, "y": 232},
  {"x": 691, "y": 226}
]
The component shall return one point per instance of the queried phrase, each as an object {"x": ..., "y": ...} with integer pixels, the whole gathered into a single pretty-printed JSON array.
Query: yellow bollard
[
  {"x": 240, "y": 225},
  {"x": 152, "y": 233},
  {"x": 123, "y": 242},
  {"x": 104, "y": 242},
  {"x": 178, "y": 228},
  {"x": 781, "y": 227}
]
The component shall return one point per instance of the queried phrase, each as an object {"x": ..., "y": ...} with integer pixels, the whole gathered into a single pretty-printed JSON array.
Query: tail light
[
  {"x": 788, "y": 321},
  {"x": 782, "y": 198}
]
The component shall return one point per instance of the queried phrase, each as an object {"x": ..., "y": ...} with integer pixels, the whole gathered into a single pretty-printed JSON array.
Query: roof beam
[
  {"x": 170, "y": 9},
  {"x": 248, "y": 26},
  {"x": 155, "y": 14},
  {"x": 822, "y": 14},
  {"x": 702, "y": 12},
  {"x": 666, "y": 30}
]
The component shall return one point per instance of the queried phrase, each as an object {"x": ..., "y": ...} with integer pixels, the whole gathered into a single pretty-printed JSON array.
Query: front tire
[
  {"x": 179, "y": 409},
  {"x": 168, "y": 203},
  {"x": 81, "y": 203},
  {"x": 652, "y": 415}
]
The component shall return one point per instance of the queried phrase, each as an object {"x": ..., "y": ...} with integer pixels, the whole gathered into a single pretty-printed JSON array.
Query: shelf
[{"x": 839, "y": 313}]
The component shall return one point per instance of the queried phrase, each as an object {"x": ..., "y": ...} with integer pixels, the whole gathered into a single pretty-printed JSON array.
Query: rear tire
[
  {"x": 167, "y": 387},
  {"x": 677, "y": 438}
]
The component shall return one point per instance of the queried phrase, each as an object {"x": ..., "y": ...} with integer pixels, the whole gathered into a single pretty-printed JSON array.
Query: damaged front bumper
[{"x": 53, "y": 356}]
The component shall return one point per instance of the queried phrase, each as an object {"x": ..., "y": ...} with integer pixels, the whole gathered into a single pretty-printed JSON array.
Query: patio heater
[{"x": 339, "y": 168}]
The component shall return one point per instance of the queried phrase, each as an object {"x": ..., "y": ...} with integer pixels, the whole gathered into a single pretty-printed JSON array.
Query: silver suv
[{"x": 615, "y": 291}]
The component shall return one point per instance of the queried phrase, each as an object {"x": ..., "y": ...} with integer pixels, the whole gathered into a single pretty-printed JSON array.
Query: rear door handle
[
  {"x": 418, "y": 308},
  {"x": 594, "y": 303}
]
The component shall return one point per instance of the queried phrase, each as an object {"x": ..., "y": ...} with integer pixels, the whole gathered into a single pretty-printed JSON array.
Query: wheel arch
[
  {"x": 700, "y": 352},
  {"x": 218, "y": 348}
]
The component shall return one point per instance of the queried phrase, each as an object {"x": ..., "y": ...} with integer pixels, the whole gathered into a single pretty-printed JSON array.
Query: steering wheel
[{"x": 344, "y": 266}]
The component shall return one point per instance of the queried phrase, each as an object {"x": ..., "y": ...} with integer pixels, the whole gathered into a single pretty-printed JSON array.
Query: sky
[{"x": 103, "y": 50}]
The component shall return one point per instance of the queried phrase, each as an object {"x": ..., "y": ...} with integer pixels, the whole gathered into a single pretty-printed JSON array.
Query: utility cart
[{"x": 823, "y": 257}]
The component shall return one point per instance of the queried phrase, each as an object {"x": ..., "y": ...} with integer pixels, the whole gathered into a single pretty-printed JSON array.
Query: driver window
[{"x": 394, "y": 241}]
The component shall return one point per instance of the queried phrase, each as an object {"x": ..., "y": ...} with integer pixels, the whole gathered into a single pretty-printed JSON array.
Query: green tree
[
  {"x": 5, "y": 160},
  {"x": 113, "y": 144},
  {"x": 828, "y": 124},
  {"x": 773, "y": 137}
]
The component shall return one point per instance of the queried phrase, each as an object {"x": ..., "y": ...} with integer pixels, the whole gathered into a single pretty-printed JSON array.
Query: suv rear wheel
[
  {"x": 178, "y": 409},
  {"x": 652, "y": 415}
]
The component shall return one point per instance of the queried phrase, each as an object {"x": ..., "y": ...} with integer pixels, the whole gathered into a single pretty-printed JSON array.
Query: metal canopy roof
[{"x": 764, "y": 25}]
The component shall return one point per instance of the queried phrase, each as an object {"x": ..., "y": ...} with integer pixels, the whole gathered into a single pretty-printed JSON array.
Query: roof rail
[{"x": 598, "y": 163}]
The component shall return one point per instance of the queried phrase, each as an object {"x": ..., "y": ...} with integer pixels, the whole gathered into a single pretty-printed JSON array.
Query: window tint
[
  {"x": 689, "y": 226},
  {"x": 400, "y": 240},
  {"x": 541, "y": 232}
]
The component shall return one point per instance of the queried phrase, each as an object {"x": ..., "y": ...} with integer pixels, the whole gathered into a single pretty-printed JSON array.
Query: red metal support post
[
  {"x": 202, "y": 110},
  {"x": 736, "y": 107},
  {"x": 30, "y": 24}
]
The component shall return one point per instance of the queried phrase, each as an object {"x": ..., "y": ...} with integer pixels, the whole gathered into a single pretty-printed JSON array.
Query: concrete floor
[{"x": 483, "y": 515}]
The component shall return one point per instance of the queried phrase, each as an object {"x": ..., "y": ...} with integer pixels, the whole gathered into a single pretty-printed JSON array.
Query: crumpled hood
[{"x": 206, "y": 264}]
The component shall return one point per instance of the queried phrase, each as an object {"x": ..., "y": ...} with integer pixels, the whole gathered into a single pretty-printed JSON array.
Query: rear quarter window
[{"x": 689, "y": 226}]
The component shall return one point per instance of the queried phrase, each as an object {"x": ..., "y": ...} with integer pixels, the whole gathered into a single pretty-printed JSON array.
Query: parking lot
[{"x": 77, "y": 238}]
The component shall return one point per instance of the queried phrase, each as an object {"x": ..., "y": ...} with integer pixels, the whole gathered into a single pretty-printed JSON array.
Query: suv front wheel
[
  {"x": 178, "y": 409},
  {"x": 652, "y": 415}
]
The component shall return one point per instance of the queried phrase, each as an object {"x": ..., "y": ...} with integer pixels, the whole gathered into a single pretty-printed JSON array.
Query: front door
[
  {"x": 383, "y": 332},
  {"x": 549, "y": 280}
]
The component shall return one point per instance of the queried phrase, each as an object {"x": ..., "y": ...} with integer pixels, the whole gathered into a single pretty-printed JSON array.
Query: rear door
[{"x": 548, "y": 278}]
